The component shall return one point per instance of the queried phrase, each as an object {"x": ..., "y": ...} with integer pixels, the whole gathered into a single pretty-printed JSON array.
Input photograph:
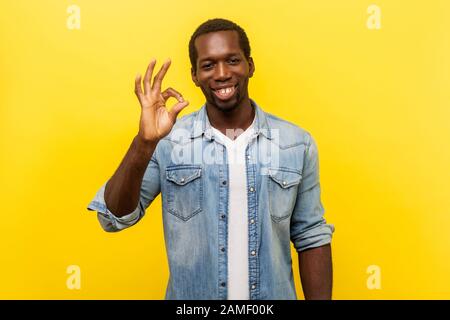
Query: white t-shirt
[{"x": 238, "y": 283}]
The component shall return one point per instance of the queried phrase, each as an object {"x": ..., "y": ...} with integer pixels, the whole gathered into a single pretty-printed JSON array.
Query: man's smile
[{"x": 225, "y": 93}]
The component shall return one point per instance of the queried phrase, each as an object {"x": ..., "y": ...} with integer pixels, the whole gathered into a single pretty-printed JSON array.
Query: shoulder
[{"x": 287, "y": 134}]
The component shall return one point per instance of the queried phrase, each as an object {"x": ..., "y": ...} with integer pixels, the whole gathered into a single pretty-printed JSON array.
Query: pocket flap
[
  {"x": 183, "y": 175},
  {"x": 285, "y": 177}
]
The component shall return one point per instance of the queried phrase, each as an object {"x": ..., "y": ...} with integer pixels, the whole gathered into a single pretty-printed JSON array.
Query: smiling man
[{"x": 238, "y": 185}]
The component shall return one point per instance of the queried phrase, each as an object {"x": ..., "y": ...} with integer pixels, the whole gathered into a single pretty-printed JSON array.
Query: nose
[{"x": 222, "y": 73}]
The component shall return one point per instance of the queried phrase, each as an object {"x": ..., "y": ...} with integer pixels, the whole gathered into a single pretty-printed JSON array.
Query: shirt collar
[{"x": 203, "y": 126}]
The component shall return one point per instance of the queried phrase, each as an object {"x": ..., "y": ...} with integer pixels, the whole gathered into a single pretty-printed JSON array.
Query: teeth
[{"x": 225, "y": 90}]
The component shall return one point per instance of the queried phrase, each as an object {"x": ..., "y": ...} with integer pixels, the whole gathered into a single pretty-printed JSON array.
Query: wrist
[{"x": 145, "y": 144}]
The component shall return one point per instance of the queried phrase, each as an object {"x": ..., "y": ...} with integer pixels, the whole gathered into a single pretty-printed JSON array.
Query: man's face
[{"x": 222, "y": 69}]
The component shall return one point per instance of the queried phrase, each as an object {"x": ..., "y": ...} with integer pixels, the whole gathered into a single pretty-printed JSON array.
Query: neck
[{"x": 240, "y": 117}]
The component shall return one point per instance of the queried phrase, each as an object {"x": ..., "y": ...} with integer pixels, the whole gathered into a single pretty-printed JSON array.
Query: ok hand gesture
[{"x": 156, "y": 121}]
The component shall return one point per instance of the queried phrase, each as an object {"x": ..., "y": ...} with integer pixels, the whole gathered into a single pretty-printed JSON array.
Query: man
[{"x": 237, "y": 184}]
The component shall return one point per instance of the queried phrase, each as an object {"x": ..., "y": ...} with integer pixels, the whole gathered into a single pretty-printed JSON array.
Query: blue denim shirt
[{"x": 189, "y": 168}]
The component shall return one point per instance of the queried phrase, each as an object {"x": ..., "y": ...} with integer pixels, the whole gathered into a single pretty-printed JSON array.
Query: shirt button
[
  {"x": 182, "y": 180},
  {"x": 284, "y": 183},
  {"x": 222, "y": 216},
  {"x": 252, "y": 189},
  {"x": 223, "y": 284},
  {"x": 252, "y": 221},
  {"x": 222, "y": 249},
  {"x": 253, "y": 286},
  {"x": 248, "y": 157},
  {"x": 224, "y": 182},
  {"x": 253, "y": 252}
]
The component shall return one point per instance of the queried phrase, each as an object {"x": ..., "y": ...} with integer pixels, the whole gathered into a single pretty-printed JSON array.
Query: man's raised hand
[{"x": 156, "y": 121}]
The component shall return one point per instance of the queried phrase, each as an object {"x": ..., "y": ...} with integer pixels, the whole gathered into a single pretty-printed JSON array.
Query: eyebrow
[{"x": 227, "y": 56}]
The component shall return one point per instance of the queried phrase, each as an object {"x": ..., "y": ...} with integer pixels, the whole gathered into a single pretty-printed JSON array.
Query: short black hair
[{"x": 214, "y": 25}]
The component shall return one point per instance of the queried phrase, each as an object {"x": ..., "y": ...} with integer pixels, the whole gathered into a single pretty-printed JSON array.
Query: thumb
[{"x": 176, "y": 109}]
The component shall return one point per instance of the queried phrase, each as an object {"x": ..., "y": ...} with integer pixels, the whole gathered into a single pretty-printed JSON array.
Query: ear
[
  {"x": 251, "y": 65},
  {"x": 194, "y": 77}
]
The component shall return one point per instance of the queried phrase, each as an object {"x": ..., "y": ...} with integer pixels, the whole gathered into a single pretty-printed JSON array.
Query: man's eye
[
  {"x": 207, "y": 66},
  {"x": 234, "y": 61}
]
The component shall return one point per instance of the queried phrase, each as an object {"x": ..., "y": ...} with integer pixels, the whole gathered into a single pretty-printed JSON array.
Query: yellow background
[{"x": 376, "y": 101}]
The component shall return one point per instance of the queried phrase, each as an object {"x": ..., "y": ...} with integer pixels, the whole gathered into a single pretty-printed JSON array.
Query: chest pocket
[
  {"x": 184, "y": 191},
  {"x": 283, "y": 187}
]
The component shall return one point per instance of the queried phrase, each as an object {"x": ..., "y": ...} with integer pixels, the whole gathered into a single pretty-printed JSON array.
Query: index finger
[{"x": 160, "y": 76}]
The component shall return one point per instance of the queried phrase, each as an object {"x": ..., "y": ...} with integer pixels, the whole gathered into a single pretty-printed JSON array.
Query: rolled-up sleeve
[
  {"x": 150, "y": 188},
  {"x": 308, "y": 227}
]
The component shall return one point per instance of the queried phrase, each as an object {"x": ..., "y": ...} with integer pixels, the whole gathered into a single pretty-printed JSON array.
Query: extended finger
[
  {"x": 170, "y": 92},
  {"x": 148, "y": 75},
  {"x": 160, "y": 76}
]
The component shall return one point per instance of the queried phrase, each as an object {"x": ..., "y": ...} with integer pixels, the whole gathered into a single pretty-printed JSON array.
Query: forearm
[
  {"x": 316, "y": 273},
  {"x": 122, "y": 191}
]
